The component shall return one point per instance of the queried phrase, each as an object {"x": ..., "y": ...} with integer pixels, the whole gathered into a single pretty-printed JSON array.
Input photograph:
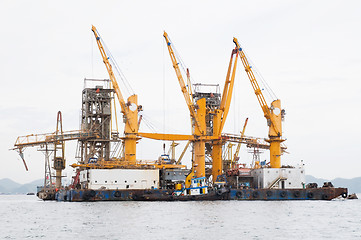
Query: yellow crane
[
  {"x": 186, "y": 91},
  {"x": 197, "y": 113},
  {"x": 220, "y": 116},
  {"x": 183, "y": 152},
  {"x": 272, "y": 113},
  {"x": 129, "y": 109},
  {"x": 235, "y": 156}
]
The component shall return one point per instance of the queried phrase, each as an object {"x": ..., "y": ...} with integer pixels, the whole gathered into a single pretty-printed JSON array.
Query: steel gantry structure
[{"x": 52, "y": 142}]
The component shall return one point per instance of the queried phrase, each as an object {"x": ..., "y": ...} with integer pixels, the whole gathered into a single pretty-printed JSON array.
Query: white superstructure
[
  {"x": 119, "y": 178},
  {"x": 283, "y": 178}
]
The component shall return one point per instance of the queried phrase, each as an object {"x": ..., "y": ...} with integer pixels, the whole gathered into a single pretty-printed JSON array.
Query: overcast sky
[{"x": 307, "y": 51}]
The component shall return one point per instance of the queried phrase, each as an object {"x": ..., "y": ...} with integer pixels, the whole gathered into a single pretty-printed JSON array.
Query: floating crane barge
[
  {"x": 103, "y": 176},
  {"x": 229, "y": 194}
]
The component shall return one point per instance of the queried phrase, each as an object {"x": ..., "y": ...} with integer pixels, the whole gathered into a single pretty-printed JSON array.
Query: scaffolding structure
[{"x": 96, "y": 118}]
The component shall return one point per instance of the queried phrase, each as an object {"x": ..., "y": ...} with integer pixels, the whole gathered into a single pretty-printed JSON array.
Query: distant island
[
  {"x": 8, "y": 186},
  {"x": 353, "y": 184}
]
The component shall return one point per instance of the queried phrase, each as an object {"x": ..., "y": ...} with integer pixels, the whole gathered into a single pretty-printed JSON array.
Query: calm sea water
[{"x": 26, "y": 217}]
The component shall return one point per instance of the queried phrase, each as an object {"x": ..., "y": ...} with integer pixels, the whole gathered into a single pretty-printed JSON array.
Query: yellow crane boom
[
  {"x": 110, "y": 71},
  {"x": 198, "y": 116},
  {"x": 46, "y": 138},
  {"x": 228, "y": 90},
  {"x": 183, "y": 152},
  {"x": 220, "y": 116},
  {"x": 177, "y": 137},
  {"x": 273, "y": 114},
  {"x": 251, "y": 142},
  {"x": 129, "y": 109},
  {"x": 239, "y": 144},
  {"x": 186, "y": 94}
]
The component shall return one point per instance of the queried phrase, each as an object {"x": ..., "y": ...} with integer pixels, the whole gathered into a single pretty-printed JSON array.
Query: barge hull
[{"x": 83, "y": 195}]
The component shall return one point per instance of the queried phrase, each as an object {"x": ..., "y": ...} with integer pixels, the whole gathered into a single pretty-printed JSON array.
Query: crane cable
[
  {"x": 126, "y": 83},
  {"x": 181, "y": 63},
  {"x": 265, "y": 85},
  {"x": 149, "y": 124},
  {"x": 155, "y": 126}
]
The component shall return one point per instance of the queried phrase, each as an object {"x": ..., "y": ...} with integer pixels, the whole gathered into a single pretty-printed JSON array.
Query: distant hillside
[
  {"x": 353, "y": 184},
  {"x": 8, "y": 186}
]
